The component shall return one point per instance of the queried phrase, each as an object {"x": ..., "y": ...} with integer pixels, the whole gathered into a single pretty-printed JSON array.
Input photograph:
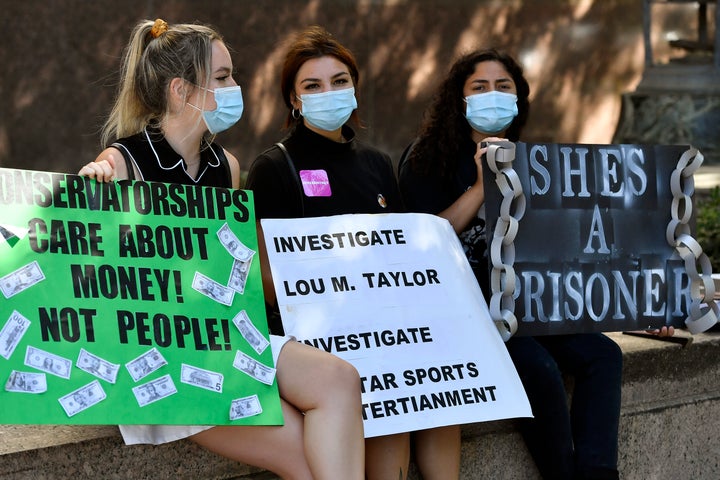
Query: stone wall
[{"x": 60, "y": 59}]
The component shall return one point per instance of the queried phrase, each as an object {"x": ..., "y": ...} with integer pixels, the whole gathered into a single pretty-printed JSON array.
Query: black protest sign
[{"x": 591, "y": 250}]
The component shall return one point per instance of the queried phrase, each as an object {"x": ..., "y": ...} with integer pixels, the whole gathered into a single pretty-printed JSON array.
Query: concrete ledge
[
  {"x": 668, "y": 430},
  {"x": 92, "y": 452}
]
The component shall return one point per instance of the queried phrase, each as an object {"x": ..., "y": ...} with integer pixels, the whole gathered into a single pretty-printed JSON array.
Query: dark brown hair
[{"x": 313, "y": 42}]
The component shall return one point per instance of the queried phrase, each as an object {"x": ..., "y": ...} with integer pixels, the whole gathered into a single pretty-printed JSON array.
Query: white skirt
[{"x": 156, "y": 434}]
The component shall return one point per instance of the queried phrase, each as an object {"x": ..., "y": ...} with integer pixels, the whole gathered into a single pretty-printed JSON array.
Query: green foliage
[{"x": 708, "y": 226}]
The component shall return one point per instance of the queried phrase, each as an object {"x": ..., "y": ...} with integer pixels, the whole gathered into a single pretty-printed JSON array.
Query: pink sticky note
[{"x": 315, "y": 183}]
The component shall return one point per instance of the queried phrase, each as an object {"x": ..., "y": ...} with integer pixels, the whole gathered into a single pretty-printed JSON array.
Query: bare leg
[
  {"x": 278, "y": 449},
  {"x": 437, "y": 452},
  {"x": 388, "y": 457},
  {"x": 327, "y": 389}
]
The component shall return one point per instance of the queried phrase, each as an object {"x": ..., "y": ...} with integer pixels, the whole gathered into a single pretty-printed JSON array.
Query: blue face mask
[
  {"x": 229, "y": 109},
  {"x": 491, "y": 112},
  {"x": 328, "y": 110}
]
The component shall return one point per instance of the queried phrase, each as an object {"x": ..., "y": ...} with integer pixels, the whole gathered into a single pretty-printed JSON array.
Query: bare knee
[
  {"x": 341, "y": 377},
  {"x": 309, "y": 378}
]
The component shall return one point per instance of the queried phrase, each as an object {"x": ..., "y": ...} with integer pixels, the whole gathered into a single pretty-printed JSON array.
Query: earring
[{"x": 295, "y": 113}]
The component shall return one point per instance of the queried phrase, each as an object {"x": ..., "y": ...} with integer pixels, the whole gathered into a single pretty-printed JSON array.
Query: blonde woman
[{"x": 176, "y": 91}]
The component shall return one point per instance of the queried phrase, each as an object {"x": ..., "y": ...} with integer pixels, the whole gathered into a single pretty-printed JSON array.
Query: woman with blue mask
[
  {"x": 485, "y": 98},
  {"x": 176, "y": 92},
  {"x": 320, "y": 169}
]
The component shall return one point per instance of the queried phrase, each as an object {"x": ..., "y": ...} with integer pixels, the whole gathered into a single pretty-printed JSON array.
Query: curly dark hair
[{"x": 445, "y": 128}]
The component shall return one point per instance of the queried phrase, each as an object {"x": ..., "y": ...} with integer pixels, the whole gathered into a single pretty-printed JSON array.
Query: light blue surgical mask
[
  {"x": 229, "y": 109},
  {"x": 491, "y": 112},
  {"x": 328, "y": 110}
]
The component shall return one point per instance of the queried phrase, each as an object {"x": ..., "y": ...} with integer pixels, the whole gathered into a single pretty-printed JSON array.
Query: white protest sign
[{"x": 394, "y": 295}]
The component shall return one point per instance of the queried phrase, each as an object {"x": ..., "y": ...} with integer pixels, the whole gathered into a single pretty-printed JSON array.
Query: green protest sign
[{"x": 132, "y": 303}]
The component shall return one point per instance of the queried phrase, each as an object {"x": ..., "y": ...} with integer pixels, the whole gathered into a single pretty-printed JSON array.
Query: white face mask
[
  {"x": 328, "y": 110},
  {"x": 491, "y": 112},
  {"x": 228, "y": 111}
]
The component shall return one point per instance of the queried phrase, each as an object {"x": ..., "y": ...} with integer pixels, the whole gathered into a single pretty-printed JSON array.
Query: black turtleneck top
[{"x": 331, "y": 178}]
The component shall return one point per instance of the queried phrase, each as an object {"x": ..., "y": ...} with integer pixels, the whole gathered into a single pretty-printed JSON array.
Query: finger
[
  {"x": 100, "y": 171},
  {"x": 111, "y": 160},
  {"x": 480, "y": 151},
  {"x": 108, "y": 169},
  {"x": 662, "y": 332},
  {"x": 103, "y": 171},
  {"x": 483, "y": 145},
  {"x": 655, "y": 331},
  {"x": 90, "y": 170}
]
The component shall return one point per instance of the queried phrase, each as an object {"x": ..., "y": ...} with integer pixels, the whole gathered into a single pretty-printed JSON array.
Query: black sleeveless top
[{"x": 156, "y": 161}]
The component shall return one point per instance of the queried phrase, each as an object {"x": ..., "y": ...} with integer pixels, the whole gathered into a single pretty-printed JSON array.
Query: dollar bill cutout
[
  {"x": 82, "y": 398},
  {"x": 26, "y": 382},
  {"x": 199, "y": 377},
  {"x": 97, "y": 366},
  {"x": 145, "y": 364},
  {"x": 245, "y": 407},
  {"x": 48, "y": 362},
  {"x": 21, "y": 279},
  {"x": 239, "y": 275},
  {"x": 154, "y": 390},
  {"x": 211, "y": 288},
  {"x": 258, "y": 371},
  {"x": 233, "y": 244},
  {"x": 250, "y": 332},
  {"x": 11, "y": 333}
]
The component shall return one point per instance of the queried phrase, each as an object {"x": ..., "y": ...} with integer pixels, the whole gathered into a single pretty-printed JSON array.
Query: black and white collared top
[{"x": 156, "y": 161}]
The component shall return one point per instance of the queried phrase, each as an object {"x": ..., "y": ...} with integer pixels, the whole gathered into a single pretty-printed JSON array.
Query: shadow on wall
[{"x": 60, "y": 62}]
